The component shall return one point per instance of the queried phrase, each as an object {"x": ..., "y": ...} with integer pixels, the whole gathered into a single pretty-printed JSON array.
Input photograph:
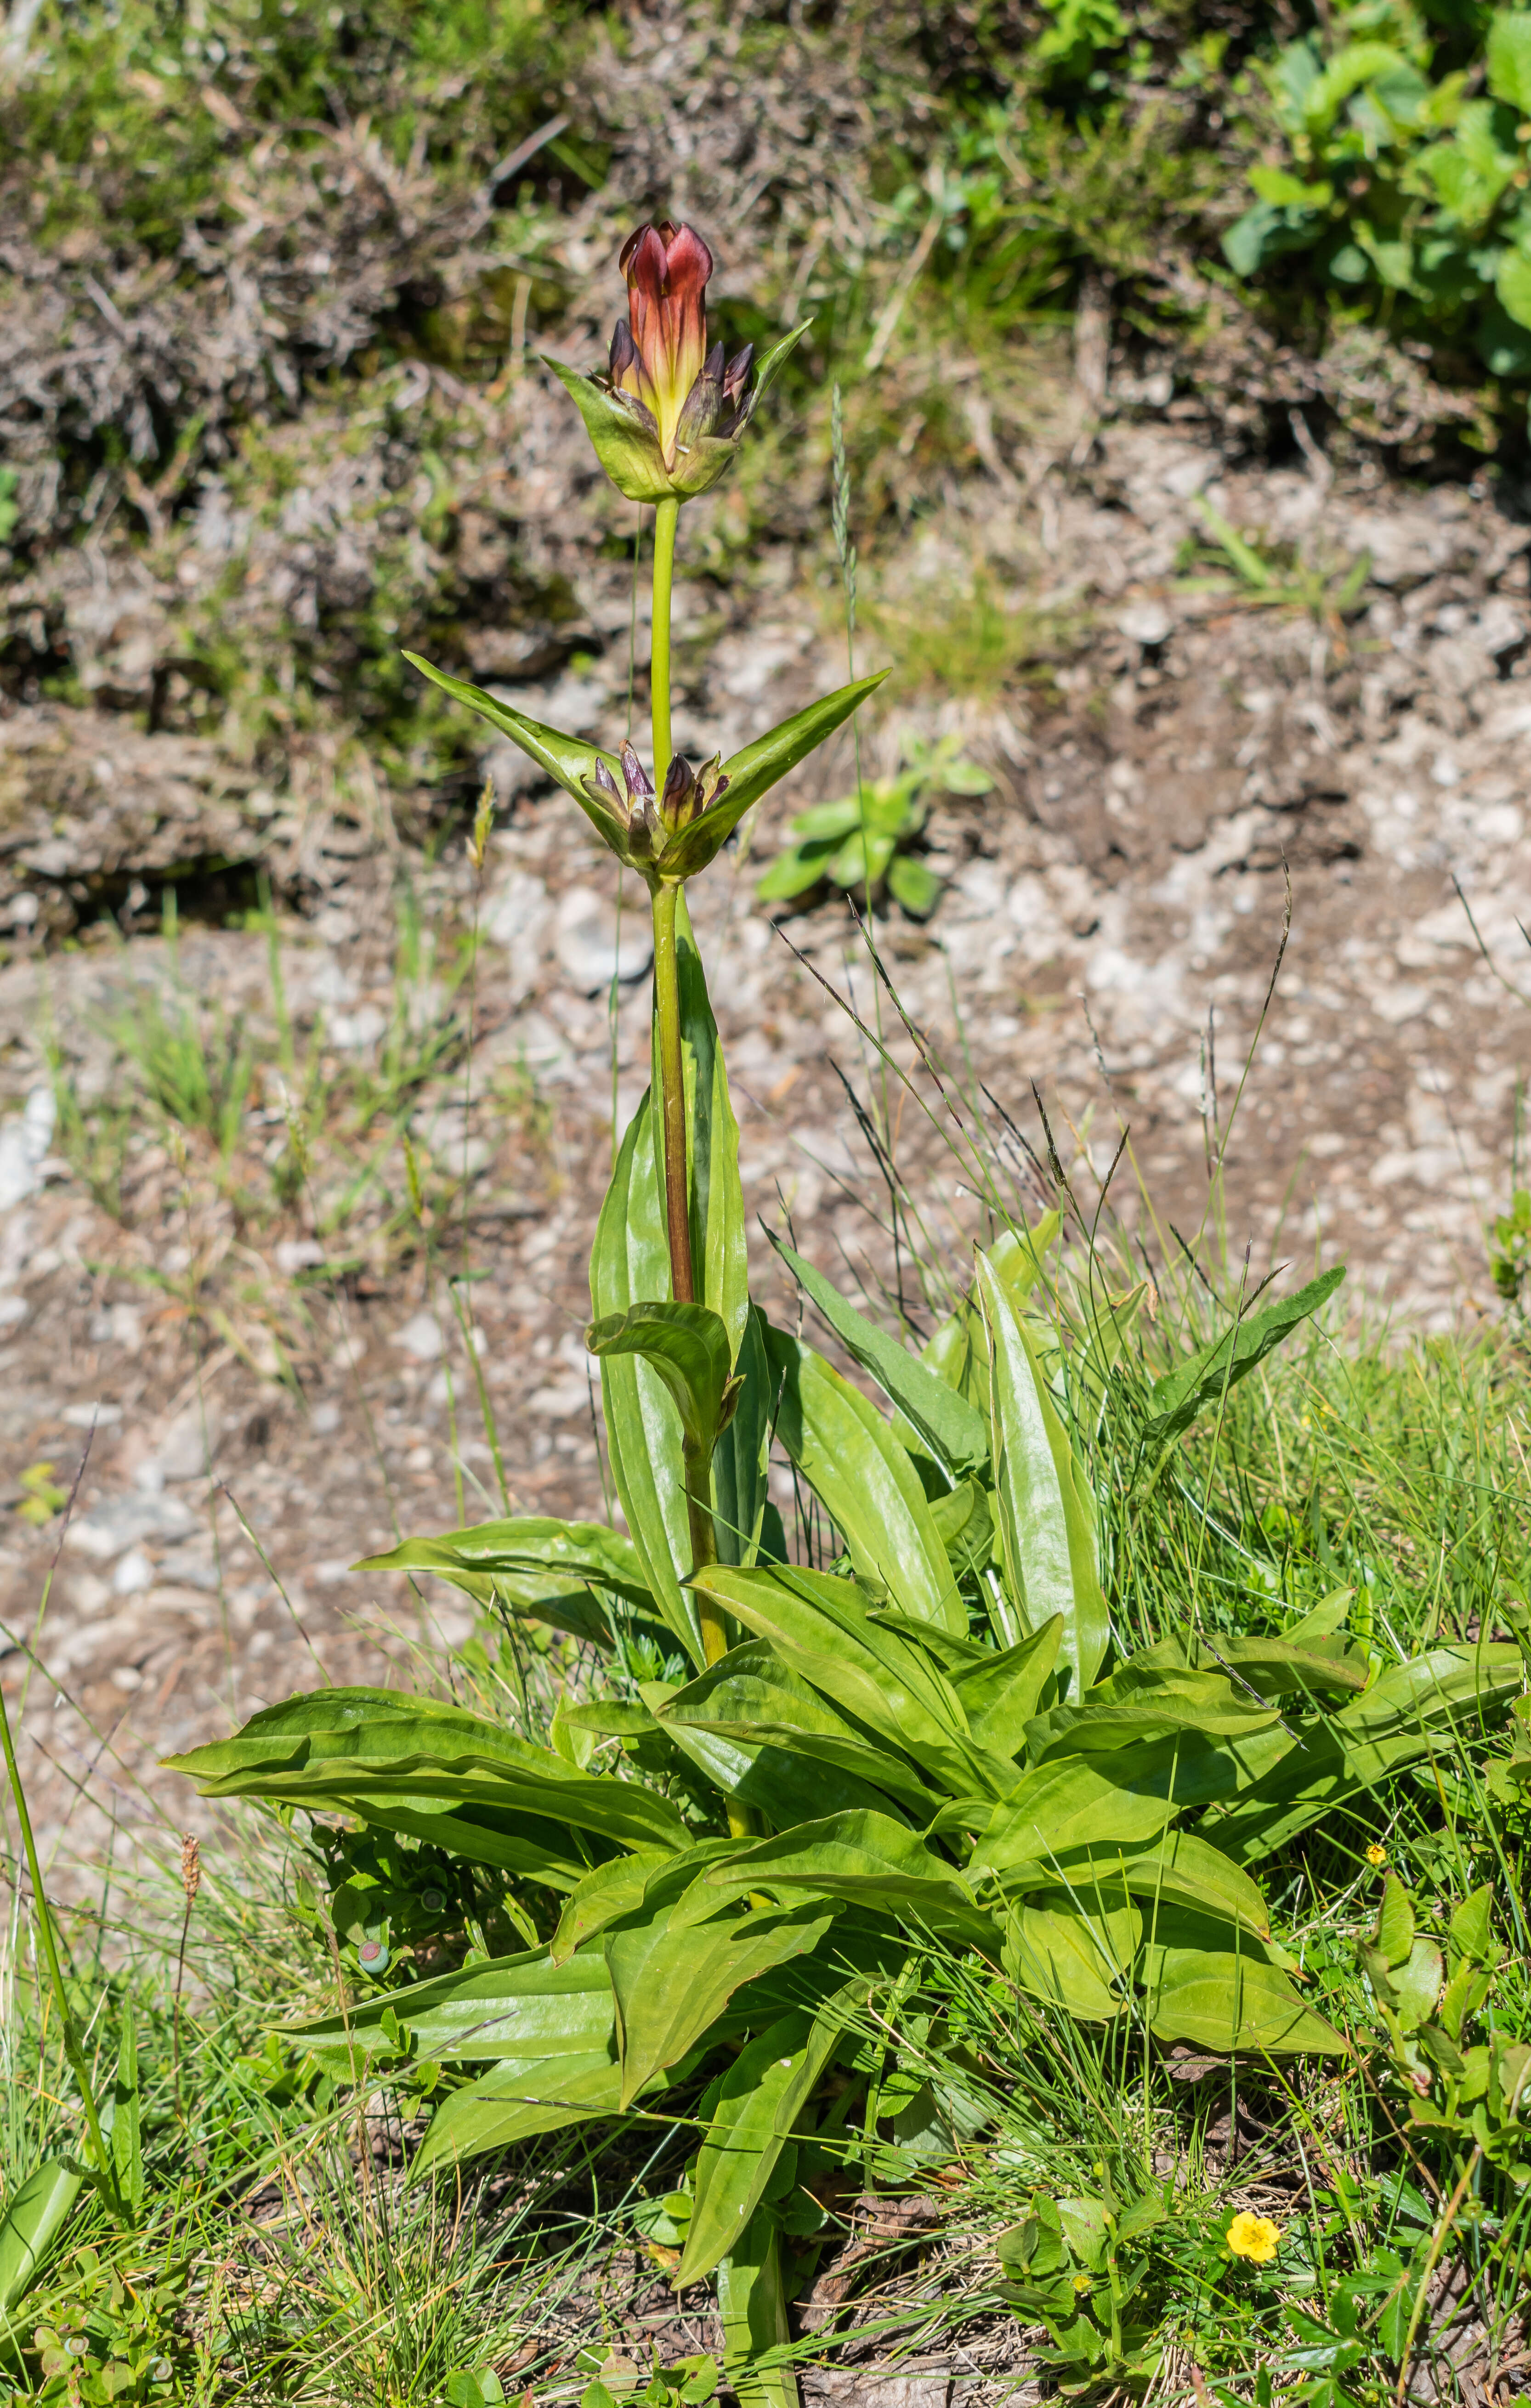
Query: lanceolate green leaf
[
  {"x": 630, "y": 1259},
  {"x": 866, "y": 1859},
  {"x": 515, "y": 2101},
  {"x": 1398, "y": 1720},
  {"x": 959, "y": 1352},
  {"x": 1222, "y": 1991},
  {"x": 865, "y": 1482},
  {"x": 529, "y": 1547},
  {"x": 568, "y": 760},
  {"x": 751, "y": 1694},
  {"x": 36, "y": 2214},
  {"x": 955, "y": 1431},
  {"x": 999, "y": 1693},
  {"x": 1047, "y": 1515},
  {"x": 752, "y": 2306},
  {"x": 402, "y": 1762},
  {"x": 754, "y": 771},
  {"x": 1187, "y": 1391},
  {"x": 672, "y": 1983},
  {"x": 820, "y": 1628},
  {"x": 630, "y": 1264},
  {"x": 762, "y": 2097},
  {"x": 524, "y": 2007},
  {"x": 741, "y": 1456}
]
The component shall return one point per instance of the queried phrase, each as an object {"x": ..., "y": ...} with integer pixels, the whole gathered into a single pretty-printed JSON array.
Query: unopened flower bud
[
  {"x": 667, "y": 416},
  {"x": 679, "y": 787}
]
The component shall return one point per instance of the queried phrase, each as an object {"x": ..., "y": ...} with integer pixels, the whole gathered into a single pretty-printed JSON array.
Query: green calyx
[{"x": 627, "y": 439}]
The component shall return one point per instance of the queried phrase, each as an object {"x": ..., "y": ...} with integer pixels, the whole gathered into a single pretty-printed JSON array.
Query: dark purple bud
[
  {"x": 698, "y": 413},
  {"x": 606, "y": 794},
  {"x": 678, "y": 789},
  {"x": 710, "y": 784},
  {"x": 712, "y": 365},
  {"x": 639, "y": 784},
  {"x": 736, "y": 376},
  {"x": 623, "y": 351}
]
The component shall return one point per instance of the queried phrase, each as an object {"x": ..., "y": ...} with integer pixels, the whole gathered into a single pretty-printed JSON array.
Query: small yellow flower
[
  {"x": 1377, "y": 1854},
  {"x": 1254, "y": 2237},
  {"x": 1082, "y": 2284}
]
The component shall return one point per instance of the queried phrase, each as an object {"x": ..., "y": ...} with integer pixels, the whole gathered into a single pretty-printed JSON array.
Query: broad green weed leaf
[
  {"x": 1470, "y": 1933},
  {"x": 955, "y": 1432},
  {"x": 1510, "y": 58},
  {"x": 865, "y": 1482},
  {"x": 672, "y": 1983},
  {"x": 1417, "y": 1983},
  {"x": 1073, "y": 1802},
  {"x": 1228, "y": 2000},
  {"x": 543, "y": 1568},
  {"x": 820, "y": 1628},
  {"x": 999, "y": 1694},
  {"x": 867, "y": 1860},
  {"x": 613, "y": 1890},
  {"x": 752, "y": 2306},
  {"x": 959, "y": 1351},
  {"x": 1397, "y": 1721},
  {"x": 750, "y": 1695},
  {"x": 762, "y": 2097},
  {"x": 1047, "y": 1515}
]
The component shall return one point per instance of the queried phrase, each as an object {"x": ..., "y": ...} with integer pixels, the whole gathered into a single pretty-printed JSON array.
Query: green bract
[{"x": 626, "y": 440}]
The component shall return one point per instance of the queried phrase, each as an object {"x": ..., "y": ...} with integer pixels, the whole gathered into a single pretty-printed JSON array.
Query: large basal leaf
[
  {"x": 1148, "y": 1705},
  {"x": 751, "y": 1696},
  {"x": 819, "y": 1626},
  {"x": 1321, "y": 1665},
  {"x": 613, "y": 1890},
  {"x": 959, "y": 1351},
  {"x": 543, "y": 1568},
  {"x": 1180, "y": 1869},
  {"x": 999, "y": 1693},
  {"x": 754, "y": 771},
  {"x": 752, "y": 2308},
  {"x": 1046, "y": 1515},
  {"x": 403, "y": 1762},
  {"x": 956, "y": 1433},
  {"x": 742, "y": 1455},
  {"x": 515, "y": 2102},
  {"x": 670, "y": 1984},
  {"x": 1400, "y": 1719},
  {"x": 1182, "y": 1394},
  {"x": 868, "y": 1860},
  {"x": 629, "y": 1260},
  {"x": 34, "y": 2214},
  {"x": 865, "y": 1482},
  {"x": 1076, "y": 1949},
  {"x": 1230, "y": 1998},
  {"x": 630, "y": 1264},
  {"x": 1073, "y": 1802},
  {"x": 687, "y": 1345},
  {"x": 759, "y": 2104},
  {"x": 524, "y": 2006}
]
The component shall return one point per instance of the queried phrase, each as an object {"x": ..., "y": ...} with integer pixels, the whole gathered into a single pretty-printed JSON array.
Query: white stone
[
  {"x": 591, "y": 946},
  {"x": 118, "y": 1523},
  {"x": 92, "y": 1416},
  {"x": 421, "y": 1337},
  {"x": 24, "y": 1140},
  {"x": 516, "y": 917},
  {"x": 134, "y": 1573},
  {"x": 294, "y": 1255},
  {"x": 1145, "y": 622}
]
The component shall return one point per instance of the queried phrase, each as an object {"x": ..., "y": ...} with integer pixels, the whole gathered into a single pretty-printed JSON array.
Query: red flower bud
[{"x": 667, "y": 268}]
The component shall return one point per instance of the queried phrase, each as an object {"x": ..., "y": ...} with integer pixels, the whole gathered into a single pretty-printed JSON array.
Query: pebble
[
  {"x": 421, "y": 1337},
  {"x": 593, "y": 949}
]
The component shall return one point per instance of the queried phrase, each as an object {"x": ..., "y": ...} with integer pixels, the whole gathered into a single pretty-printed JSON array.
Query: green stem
[
  {"x": 666, "y": 1012},
  {"x": 666, "y": 518},
  {"x": 72, "y": 2048}
]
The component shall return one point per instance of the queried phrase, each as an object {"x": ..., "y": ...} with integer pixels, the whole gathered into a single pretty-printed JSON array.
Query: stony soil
[{"x": 1107, "y": 938}]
